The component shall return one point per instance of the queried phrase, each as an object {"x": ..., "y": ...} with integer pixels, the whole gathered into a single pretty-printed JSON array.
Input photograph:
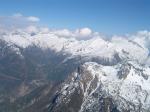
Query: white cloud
[
  {"x": 29, "y": 23},
  {"x": 44, "y": 30},
  {"x": 32, "y": 29},
  {"x": 79, "y": 34},
  {"x": 33, "y": 19},
  {"x": 85, "y": 32},
  {"x": 63, "y": 33},
  {"x": 18, "y": 20},
  {"x": 27, "y": 18}
]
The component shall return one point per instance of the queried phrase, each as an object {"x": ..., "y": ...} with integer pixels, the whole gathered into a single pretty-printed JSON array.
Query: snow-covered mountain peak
[
  {"x": 125, "y": 84},
  {"x": 67, "y": 41}
]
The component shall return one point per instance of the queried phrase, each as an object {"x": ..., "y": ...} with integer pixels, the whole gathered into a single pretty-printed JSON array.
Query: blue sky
[{"x": 106, "y": 16}]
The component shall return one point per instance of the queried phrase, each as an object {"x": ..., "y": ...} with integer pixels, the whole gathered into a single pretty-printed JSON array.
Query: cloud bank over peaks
[
  {"x": 30, "y": 24},
  {"x": 82, "y": 41},
  {"x": 79, "y": 34}
]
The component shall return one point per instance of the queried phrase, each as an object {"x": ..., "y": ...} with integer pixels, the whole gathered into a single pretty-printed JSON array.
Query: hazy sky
[{"x": 106, "y": 16}]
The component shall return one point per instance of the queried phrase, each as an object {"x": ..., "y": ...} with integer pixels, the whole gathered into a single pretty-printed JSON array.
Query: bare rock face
[
  {"x": 124, "y": 71},
  {"x": 82, "y": 92},
  {"x": 98, "y": 88}
]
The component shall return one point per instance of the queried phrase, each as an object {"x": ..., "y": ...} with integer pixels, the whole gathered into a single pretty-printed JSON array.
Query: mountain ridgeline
[{"x": 47, "y": 72}]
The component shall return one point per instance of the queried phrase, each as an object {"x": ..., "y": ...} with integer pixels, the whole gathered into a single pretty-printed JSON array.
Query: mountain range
[{"x": 44, "y": 70}]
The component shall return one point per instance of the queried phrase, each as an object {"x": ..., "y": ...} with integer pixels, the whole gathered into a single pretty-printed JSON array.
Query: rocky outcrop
[{"x": 98, "y": 88}]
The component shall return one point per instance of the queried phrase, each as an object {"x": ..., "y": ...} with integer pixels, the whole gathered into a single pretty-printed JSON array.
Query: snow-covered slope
[
  {"x": 123, "y": 87},
  {"x": 114, "y": 75},
  {"x": 67, "y": 42}
]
